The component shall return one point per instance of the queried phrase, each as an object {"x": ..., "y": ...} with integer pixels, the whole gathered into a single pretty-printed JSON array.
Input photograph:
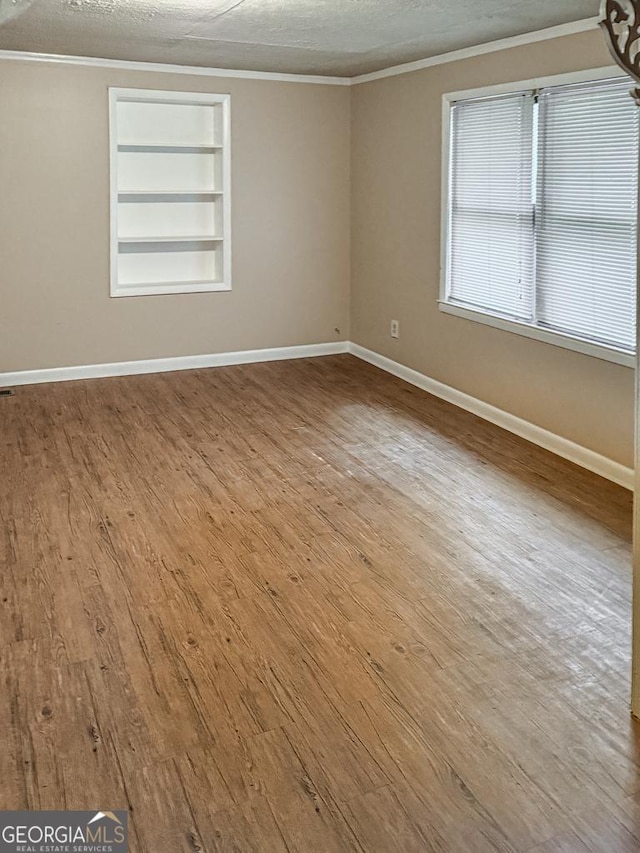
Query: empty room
[{"x": 318, "y": 426}]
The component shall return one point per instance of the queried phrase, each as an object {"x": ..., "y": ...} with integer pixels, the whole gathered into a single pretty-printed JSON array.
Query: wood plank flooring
[{"x": 304, "y": 607}]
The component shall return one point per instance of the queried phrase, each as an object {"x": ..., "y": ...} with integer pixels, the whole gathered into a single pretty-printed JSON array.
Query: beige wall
[
  {"x": 396, "y": 169},
  {"x": 291, "y": 236},
  {"x": 290, "y": 218}
]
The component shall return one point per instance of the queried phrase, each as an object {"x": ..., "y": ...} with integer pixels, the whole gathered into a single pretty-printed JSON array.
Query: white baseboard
[
  {"x": 582, "y": 456},
  {"x": 164, "y": 365}
]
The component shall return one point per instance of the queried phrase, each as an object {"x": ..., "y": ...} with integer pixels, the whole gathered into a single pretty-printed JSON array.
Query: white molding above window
[
  {"x": 486, "y": 317},
  {"x": 604, "y": 73}
]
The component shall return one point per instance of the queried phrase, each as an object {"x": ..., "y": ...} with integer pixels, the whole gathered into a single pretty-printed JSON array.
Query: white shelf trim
[
  {"x": 170, "y": 192},
  {"x": 206, "y": 238},
  {"x": 170, "y": 288},
  {"x": 163, "y": 146},
  {"x": 140, "y": 264}
]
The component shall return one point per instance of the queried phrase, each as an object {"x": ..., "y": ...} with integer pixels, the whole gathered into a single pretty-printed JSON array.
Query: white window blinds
[
  {"x": 491, "y": 224},
  {"x": 586, "y": 221},
  {"x": 542, "y": 209}
]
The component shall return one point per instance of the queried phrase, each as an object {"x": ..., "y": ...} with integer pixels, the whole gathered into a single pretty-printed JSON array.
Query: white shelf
[
  {"x": 154, "y": 288},
  {"x": 160, "y": 188},
  {"x": 177, "y": 147},
  {"x": 154, "y": 193},
  {"x": 190, "y": 239}
]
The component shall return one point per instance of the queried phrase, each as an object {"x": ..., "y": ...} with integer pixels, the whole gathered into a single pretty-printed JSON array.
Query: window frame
[{"x": 487, "y": 318}]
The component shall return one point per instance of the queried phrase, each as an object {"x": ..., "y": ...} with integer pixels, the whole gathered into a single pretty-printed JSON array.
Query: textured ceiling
[{"x": 337, "y": 37}]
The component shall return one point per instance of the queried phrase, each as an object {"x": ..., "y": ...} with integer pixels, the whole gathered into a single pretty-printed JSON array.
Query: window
[
  {"x": 170, "y": 192},
  {"x": 540, "y": 213}
]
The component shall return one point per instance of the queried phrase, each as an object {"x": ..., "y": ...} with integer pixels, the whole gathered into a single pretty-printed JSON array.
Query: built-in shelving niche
[{"x": 170, "y": 192}]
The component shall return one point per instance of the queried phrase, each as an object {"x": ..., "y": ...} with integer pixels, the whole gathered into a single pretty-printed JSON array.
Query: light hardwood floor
[{"x": 305, "y": 607}]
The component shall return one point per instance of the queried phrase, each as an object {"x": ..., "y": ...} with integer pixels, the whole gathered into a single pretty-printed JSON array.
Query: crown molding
[
  {"x": 164, "y": 68},
  {"x": 569, "y": 29},
  {"x": 201, "y": 71}
]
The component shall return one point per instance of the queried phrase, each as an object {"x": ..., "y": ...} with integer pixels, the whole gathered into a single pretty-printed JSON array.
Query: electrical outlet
[{"x": 395, "y": 329}]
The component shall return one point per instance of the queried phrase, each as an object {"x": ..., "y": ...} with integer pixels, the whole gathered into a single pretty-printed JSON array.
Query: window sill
[{"x": 554, "y": 338}]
